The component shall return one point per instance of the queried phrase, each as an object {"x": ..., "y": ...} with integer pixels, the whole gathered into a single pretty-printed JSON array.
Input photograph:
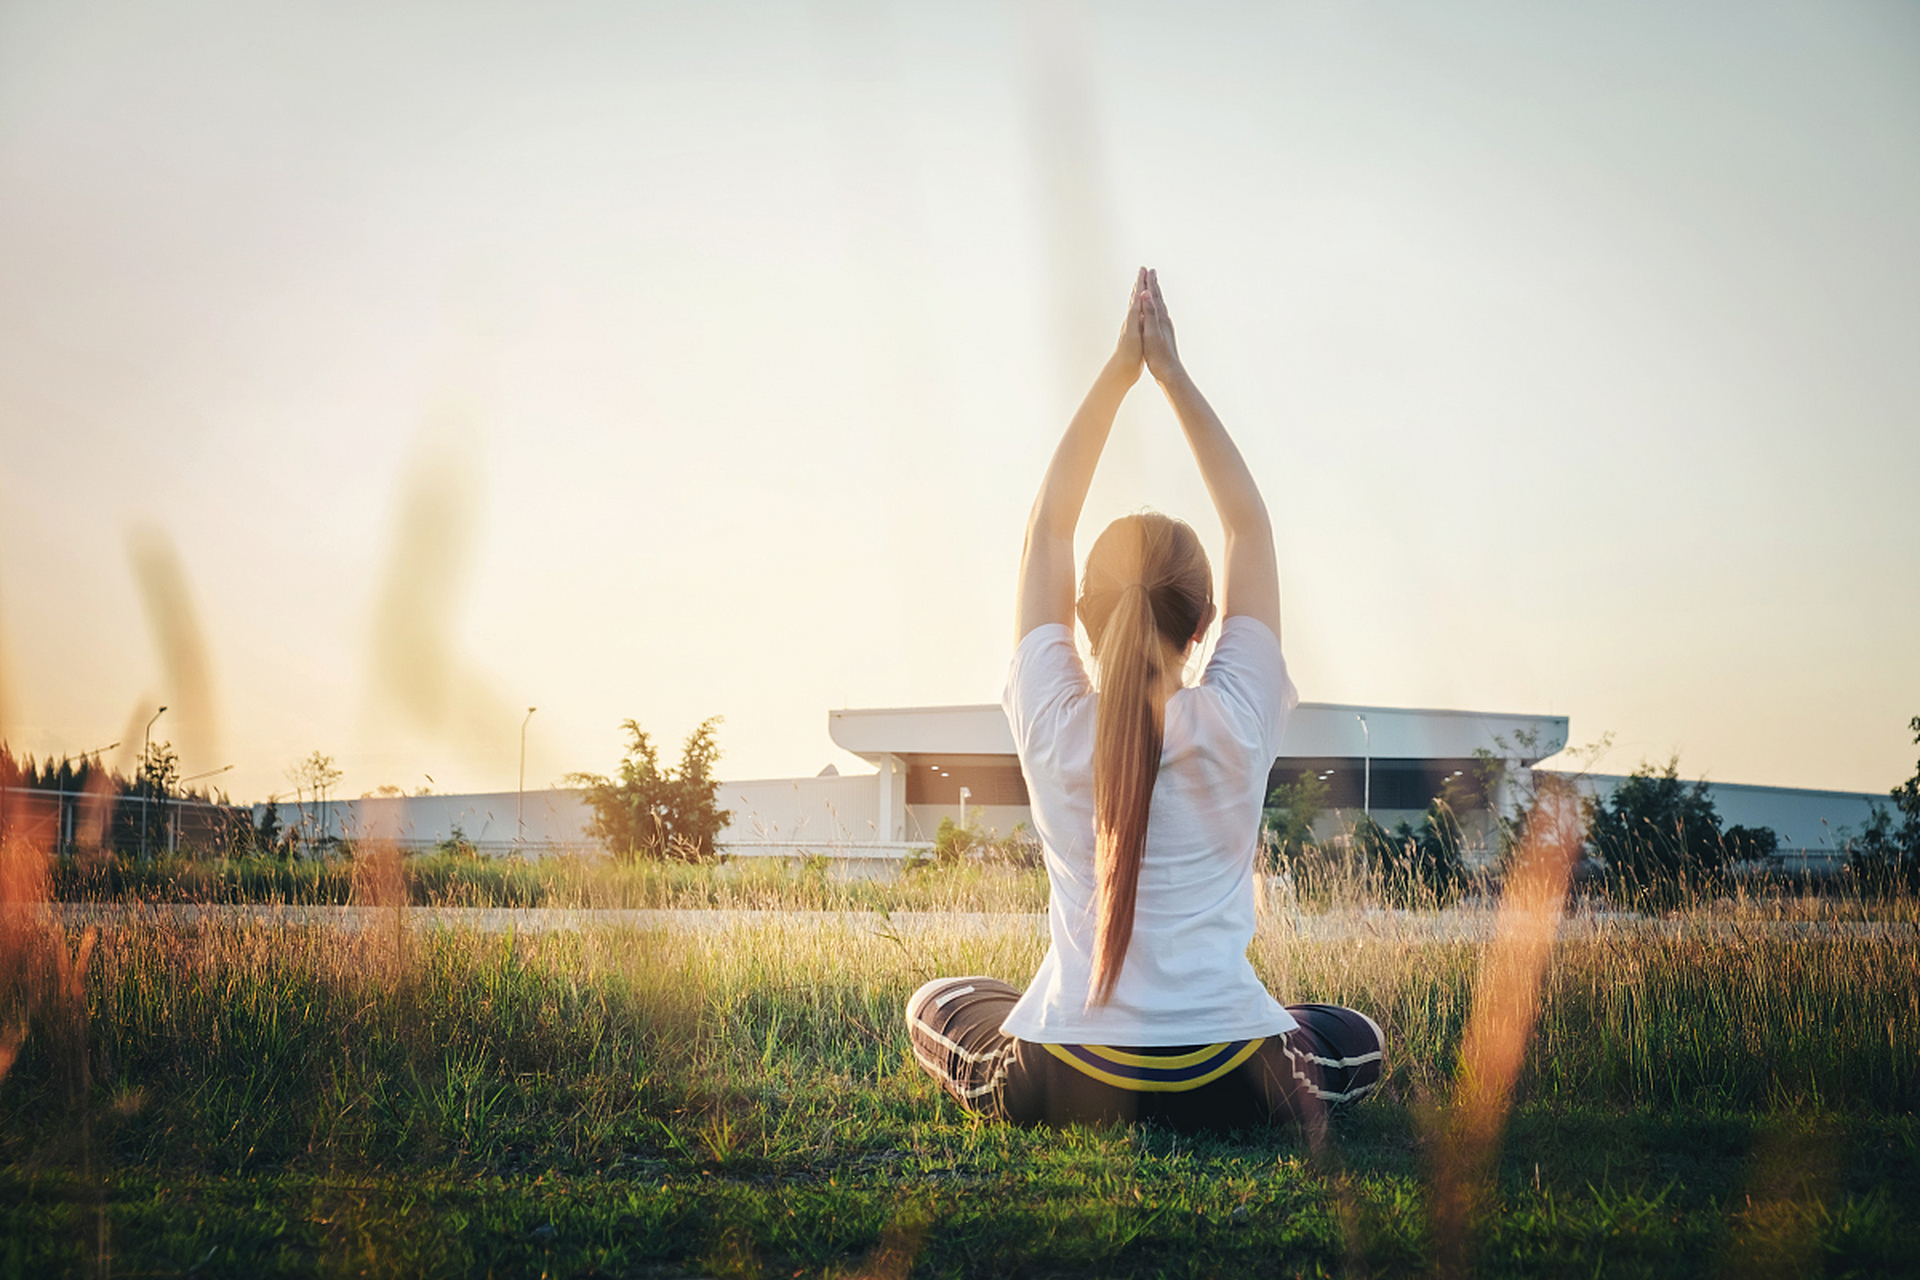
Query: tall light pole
[
  {"x": 146, "y": 743},
  {"x": 520, "y": 802},
  {"x": 1366, "y": 793}
]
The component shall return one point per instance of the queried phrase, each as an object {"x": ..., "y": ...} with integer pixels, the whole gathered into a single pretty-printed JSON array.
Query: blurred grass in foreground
[{"x": 274, "y": 1098}]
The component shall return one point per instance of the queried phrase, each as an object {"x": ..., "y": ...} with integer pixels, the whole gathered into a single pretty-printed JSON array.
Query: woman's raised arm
[
  {"x": 1250, "y": 583},
  {"x": 1046, "y": 562}
]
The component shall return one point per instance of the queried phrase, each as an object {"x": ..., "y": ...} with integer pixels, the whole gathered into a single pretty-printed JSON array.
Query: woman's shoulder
[
  {"x": 1045, "y": 661},
  {"x": 1244, "y": 631},
  {"x": 1047, "y": 688},
  {"x": 1247, "y": 653},
  {"x": 1245, "y": 691}
]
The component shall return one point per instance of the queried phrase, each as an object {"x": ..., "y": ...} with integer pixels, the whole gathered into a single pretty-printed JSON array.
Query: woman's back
[{"x": 1185, "y": 978}]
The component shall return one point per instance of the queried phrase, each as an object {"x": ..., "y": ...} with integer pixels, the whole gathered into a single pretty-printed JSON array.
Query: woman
[{"x": 1146, "y": 795}]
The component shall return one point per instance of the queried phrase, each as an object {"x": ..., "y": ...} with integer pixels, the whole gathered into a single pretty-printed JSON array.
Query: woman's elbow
[{"x": 1252, "y": 528}]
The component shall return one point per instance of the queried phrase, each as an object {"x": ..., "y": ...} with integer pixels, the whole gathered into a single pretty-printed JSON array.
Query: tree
[
  {"x": 1291, "y": 810},
  {"x": 314, "y": 776},
  {"x": 1906, "y": 796},
  {"x": 650, "y": 812},
  {"x": 1886, "y": 855},
  {"x": 1416, "y": 866},
  {"x": 316, "y": 773},
  {"x": 159, "y": 771},
  {"x": 1660, "y": 837},
  {"x": 1751, "y": 844},
  {"x": 158, "y": 775},
  {"x": 694, "y": 818},
  {"x": 266, "y": 836}
]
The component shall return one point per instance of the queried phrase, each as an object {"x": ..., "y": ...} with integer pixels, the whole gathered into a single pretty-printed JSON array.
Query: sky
[{"x": 371, "y": 373}]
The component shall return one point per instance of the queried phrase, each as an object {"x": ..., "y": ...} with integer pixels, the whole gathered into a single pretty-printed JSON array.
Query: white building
[
  {"x": 930, "y": 761},
  {"x": 951, "y": 762},
  {"x": 940, "y": 762}
]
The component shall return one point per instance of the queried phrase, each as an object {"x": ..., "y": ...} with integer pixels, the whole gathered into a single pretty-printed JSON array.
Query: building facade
[{"x": 933, "y": 763}]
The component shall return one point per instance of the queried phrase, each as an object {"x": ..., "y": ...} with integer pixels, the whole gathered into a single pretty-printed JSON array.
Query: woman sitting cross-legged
[{"x": 1146, "y": 795}]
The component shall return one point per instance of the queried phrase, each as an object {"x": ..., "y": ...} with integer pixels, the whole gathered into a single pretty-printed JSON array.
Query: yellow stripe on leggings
[
  {"x": 1171, "y": 1062},
  {"x": 1132, "y": 1085}
]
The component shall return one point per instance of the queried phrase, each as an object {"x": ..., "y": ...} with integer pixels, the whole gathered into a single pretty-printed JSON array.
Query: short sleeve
[
  {"x": 1249, "y": 674},
  {"x": 1046, "y": 677}
]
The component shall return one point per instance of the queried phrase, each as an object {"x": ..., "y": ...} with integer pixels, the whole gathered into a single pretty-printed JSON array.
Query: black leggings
[{"x": 1335, "y": 1055}]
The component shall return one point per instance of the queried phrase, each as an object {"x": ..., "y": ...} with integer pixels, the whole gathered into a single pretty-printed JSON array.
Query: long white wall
[
  {"x": 808, "y": 814},
  {"x": 839, "y": 815},
  {"x": 495, "y": 821},
  {"x": 833, "y": 811}
]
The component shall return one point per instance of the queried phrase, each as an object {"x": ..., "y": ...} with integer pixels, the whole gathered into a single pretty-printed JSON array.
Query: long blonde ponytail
[{"x": 1147, "y": 590}]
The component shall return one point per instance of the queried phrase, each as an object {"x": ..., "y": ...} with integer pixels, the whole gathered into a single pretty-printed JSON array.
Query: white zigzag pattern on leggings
[{"x": 998, "y": 1057}]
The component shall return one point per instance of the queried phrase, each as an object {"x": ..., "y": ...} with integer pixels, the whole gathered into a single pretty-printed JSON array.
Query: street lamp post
[
  {"x": 520, "y": 801},
  {"x": 1366, "y": 792},
  {"x": 146, "y": 743}
]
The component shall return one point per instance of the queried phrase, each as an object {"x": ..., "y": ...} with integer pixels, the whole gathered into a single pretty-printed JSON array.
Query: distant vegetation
[
  {"x": 1654, "y": 841},
  {"x": 1886, "y": 854},
  {"x": 650, "y": 813},
  {"x": 1659, "y": 840},
  {"x": 77, "y": 801},
  {"x": 960, "y": 842}
]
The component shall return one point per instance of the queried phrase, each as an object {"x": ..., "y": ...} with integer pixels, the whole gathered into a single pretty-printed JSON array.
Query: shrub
[
  {"x": 1885, "y": 857},
  {"x": 957, "y": 842},
  {"x": 650, "y": 812},
  {"x": 1659, "y": 839},
  {"x": 1880, "y": 859},
  {"x": 953, "y": 841},
  {"x": 1289, "y": 817},
  {"x": 1416, "y": 866},
  {"x": 457, "y": 845},
  {"x": 266, "y": 837},
  {"x": 1751, "y": 844}
]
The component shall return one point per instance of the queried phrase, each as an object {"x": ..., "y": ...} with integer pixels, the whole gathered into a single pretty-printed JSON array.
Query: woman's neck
[{"x": 1173, "y": 665}]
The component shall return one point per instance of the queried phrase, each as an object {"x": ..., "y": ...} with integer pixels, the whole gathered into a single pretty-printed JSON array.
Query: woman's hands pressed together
[
  {"x": 1156, "y": 329},
  {"x": 1251, "y": 582},
  {"x": 1129, "y": 353}
]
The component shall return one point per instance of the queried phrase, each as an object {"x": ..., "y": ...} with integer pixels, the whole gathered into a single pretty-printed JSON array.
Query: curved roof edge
[{"x": 1316, "y": 729}]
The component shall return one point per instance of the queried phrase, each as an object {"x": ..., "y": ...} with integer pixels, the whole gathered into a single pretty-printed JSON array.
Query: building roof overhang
[{"x": 1314, "y": 730}]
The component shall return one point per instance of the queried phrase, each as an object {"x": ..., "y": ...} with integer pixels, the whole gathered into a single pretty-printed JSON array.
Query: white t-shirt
[{"x": 1186, "y": 978}]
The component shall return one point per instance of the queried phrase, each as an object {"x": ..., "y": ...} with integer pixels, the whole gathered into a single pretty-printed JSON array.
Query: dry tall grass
[
  {"x": 1728, "y": 1011},
  {"x": 773, "y": 1039}
]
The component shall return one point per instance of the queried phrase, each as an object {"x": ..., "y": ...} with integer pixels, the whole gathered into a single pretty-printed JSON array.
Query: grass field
[
  {"x": 593, "y": 882},
  {"x": 1732, "y": 1094}
]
